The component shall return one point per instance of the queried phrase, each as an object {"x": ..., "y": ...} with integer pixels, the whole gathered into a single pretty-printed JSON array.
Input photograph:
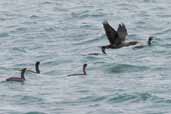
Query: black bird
[
  {"x": 117, "y": 39},
  {"x": 18, "y": 79}
]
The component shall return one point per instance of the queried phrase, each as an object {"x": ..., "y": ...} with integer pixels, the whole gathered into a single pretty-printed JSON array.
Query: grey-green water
[{"x": 59, "y": 34}]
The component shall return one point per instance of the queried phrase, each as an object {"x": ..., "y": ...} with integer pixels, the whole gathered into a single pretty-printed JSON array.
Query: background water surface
[{"x": 59, "y": 34}]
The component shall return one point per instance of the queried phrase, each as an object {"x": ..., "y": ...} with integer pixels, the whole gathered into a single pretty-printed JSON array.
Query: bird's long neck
[
  {"x": 149, "y": 42},
  {"x": 84, "y": 70},
  {"x": 37, "y": 68},
  {"x": 22, "y": 74}
]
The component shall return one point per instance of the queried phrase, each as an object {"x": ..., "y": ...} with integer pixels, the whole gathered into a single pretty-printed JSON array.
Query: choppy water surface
[{"x": 60, "y": 33}]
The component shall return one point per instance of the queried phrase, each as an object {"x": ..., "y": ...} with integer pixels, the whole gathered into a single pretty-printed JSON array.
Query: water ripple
[
  {"x": 59, "y": 32},
  {"x": 121, "y": 68},
  {"x": 35, "y": 112}
]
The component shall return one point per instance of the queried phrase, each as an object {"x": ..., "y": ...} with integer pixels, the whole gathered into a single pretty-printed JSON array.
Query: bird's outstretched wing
[
  {"x": 122, "y": 32},
  {"x": 111, "y": 34}
]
